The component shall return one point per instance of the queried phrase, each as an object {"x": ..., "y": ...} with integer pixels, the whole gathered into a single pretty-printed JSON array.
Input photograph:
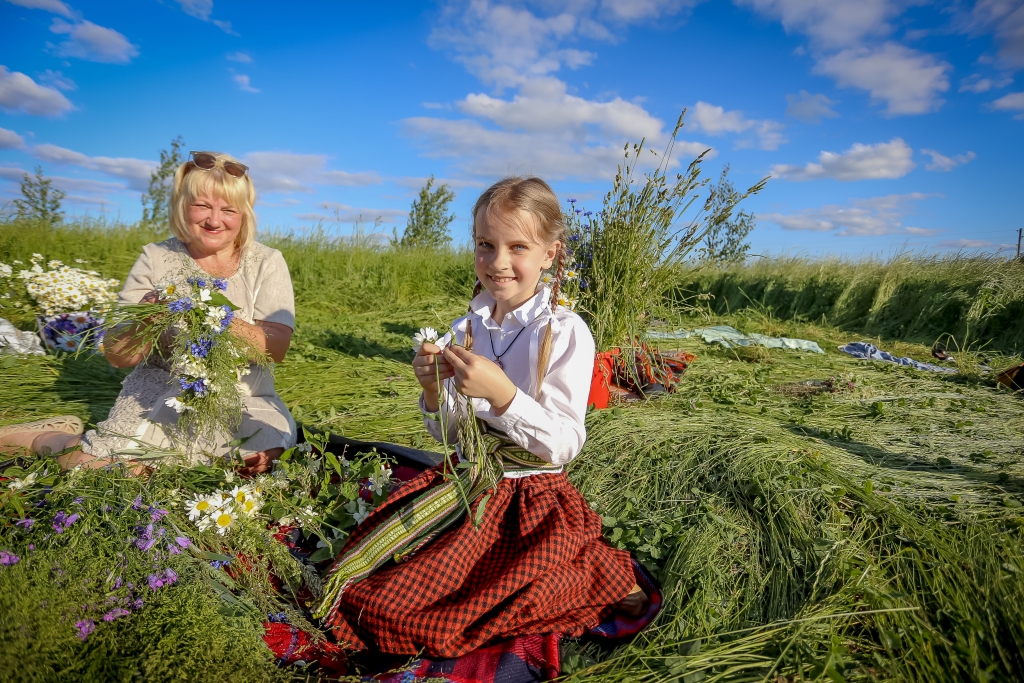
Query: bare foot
[{"x": 261, "y": 462}]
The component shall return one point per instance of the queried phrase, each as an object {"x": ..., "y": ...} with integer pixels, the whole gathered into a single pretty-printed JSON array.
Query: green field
[{"x": 873, "y": 532}]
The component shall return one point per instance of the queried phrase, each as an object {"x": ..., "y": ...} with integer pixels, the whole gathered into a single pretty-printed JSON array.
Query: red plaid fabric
[{"x": 537, "y": 564}]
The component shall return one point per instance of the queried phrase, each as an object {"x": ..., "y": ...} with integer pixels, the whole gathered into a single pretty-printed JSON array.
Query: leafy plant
[
  {"x": 724, "y": 240},
  {"x": 156, "y": 201},
  {"x": 428, "y": 219},
  {"x": 39, "y": 201}
]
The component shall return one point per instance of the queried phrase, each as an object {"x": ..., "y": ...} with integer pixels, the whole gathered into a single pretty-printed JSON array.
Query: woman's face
[{"x": 213, "y": 223}]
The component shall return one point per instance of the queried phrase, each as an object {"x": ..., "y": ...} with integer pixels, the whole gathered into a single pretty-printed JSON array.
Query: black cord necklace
[{"x": 497, "y": 356}]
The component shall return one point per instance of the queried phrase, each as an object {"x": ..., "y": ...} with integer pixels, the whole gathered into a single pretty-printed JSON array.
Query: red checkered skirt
[{"x": 536, "y": 564}]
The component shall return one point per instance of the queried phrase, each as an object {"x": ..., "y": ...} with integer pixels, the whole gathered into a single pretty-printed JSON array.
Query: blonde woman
[{"x": 214, "y": 226}]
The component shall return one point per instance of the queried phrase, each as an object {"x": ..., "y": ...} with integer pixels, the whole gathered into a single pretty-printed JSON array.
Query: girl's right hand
[{"x": 430, "y": 366}]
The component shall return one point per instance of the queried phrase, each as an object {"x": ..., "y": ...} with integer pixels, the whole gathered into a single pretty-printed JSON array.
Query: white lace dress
[{"x": 261, "y": 288}]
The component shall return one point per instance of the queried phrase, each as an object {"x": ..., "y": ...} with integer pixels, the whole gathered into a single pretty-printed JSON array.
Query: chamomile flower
[
  {"x": 251, "y": 506},
  {"x": 22, "y": 483},
  {"x": 425, "y": 335},
  {"x": 178, "y": 406},
  {"x": 224, "y": 519},
  {"x": 240, "y": 494},
  {"x": 201, "y": 505}
]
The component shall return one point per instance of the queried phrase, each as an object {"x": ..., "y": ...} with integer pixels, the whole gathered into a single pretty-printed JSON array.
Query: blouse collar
[{"x": 531, "y": 309}]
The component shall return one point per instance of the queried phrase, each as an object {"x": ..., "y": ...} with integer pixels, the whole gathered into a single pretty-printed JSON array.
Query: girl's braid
[
  {"x": 468, "y": 340},
  {"x": 545, "y": 346}
]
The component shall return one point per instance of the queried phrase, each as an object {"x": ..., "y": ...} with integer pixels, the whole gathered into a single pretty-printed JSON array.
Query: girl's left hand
[{"x": 478, "y": 377}]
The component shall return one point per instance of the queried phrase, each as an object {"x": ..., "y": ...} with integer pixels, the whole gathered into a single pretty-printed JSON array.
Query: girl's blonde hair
[
  {"x": 191, "y": 182},
  {"x": 534, "y": 196}
]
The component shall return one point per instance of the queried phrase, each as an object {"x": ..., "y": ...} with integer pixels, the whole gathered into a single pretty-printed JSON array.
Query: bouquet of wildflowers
[
  {"x": 68, "y": 302},
  {"x": 189, "y": 326}
]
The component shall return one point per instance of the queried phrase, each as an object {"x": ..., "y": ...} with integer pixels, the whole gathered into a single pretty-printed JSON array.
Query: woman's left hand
[{"x": 479, "y": 377}]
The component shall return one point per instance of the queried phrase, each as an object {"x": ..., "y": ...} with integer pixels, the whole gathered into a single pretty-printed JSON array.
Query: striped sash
[{"x": 438, "y": 508}]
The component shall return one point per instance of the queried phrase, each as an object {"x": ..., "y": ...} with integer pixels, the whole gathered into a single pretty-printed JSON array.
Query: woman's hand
[
  {"x": 479, "y": 377},
  {"x": 122, "y": 350},
  {"x": 428, "y": 374}
]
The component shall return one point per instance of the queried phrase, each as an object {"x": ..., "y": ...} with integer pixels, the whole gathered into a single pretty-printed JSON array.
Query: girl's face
[
  {"x": 510, "y": 257},
  {"x": 213, "y": 223}
]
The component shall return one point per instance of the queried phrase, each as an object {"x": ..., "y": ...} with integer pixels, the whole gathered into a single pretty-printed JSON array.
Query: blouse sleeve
[
  {"x": 275, "y": 300},
  {"x": 140, "y": 279}
]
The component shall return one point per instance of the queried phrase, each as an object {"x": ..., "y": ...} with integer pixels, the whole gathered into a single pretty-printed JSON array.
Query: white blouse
[{"x": 552, "y": 428}]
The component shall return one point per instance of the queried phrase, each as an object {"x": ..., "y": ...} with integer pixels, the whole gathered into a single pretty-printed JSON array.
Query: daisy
[
  {"x": 426, "y": 334},
  {"x": 250, "y": 506},
  {"x": 240, "y": 494},
  {"x": 202, "y": 505},
  {"x": 177, "y": 405},
  {"x": 224, "y": 519}
]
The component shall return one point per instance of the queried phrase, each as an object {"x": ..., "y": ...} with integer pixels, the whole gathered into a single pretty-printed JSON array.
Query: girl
[{"x": 420, "y": 575}]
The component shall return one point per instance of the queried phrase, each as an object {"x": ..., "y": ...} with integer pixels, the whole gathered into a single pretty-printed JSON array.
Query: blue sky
[{"x": 885, "y": 124}]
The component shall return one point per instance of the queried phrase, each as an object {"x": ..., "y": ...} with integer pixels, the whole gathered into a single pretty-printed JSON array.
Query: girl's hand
[
  {"x": 428, "y": 375},
  {"x": 150, "y": 298},
  {"x": 478, "y": 377}
]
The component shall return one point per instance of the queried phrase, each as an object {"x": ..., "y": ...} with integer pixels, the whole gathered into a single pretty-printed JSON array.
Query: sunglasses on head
[{"x": 208, "y": 160}]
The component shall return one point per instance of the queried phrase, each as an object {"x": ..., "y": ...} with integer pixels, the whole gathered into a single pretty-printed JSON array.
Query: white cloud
[
  {"x": 12, "y": 173},
  {"x": 1005, "y": 18},
  {"x": 642, "y": 10},
  {"x": 343, "y": 213},
  {"x": 93, "y": 43},
  {"x": 907, "y": 80},
  {"x": 924, "y": 232},
  {"x": 286, "y": 172},
  {"x": 893, "y": 159},
  {"x": 977, "y": 84},
  {"x": 831, "y": 23},
  {"x": 480, "y": 151},
  {"x": 202, "y": 9},
  {"x": 57, "y": 80},
  {"x": 543, "y": 105},
  {"x": 10, "y": 140},
  {"x": 136, "y": 171},
  {"x": 239, "y": 57},
  {"x": 862, "y": 217},
  {"x": 940, "y": 162},
  {"x": 243, "y": 83},
  {"x": 1012, "y": 102},
  {"x": 51, "y": 6},
  {"x": 19, "y": 93},
  {"x": 714, "y": 120},
  {"x": 809, "y": 108}
]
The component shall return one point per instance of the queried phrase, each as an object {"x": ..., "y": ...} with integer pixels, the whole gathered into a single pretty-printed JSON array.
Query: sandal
[{"x": 69, "y": 424}]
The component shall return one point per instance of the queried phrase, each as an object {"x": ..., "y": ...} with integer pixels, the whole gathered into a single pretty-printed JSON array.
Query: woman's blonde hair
[
  {"x": 534, "y": 196},
  {"x": 191, "y": 182}
]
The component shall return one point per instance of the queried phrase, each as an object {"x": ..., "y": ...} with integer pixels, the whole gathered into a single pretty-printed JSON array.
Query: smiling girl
[
  {"x": 214, "y": 228},
  {"x": 530, "y": 559}
]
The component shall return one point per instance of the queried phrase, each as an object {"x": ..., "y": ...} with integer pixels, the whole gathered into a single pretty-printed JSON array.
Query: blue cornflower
[
  {"x": 180, "y": 305},
  {"x": 201, "y": 282},
  {"x": 201, "y": 347},
  {"x": 588, "y": 213},
  {"x": 572, "y": 200},
  {"x": 578, "y": 210},
  {"x": 220, "y": 283},
  {"x": 228, "y": 317},
  {"x": 583, "y": 283},
  {"x": 219, "y": 564},
  {"x": 200, "y": 387}
]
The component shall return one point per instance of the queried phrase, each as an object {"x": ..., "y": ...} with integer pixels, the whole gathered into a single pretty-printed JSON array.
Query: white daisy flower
[
  {"x": 223, "y": 520},
  {"x": 178, "y": 406},
  {"x": 201, "y": 505},
  {"x": 426, "y": 334}
]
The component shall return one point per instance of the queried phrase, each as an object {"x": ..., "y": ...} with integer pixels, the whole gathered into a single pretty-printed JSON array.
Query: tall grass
[{"x": 978, "y": 300}]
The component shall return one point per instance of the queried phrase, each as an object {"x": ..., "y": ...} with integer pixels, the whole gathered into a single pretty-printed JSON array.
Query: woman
[{"x": 212, "y": 219}]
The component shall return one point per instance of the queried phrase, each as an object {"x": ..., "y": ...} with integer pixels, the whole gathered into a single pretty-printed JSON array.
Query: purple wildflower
[
  {"x": 118, "y": 582},
  {"x": 31, "y": 546},
  {"x": 85, "y": 627},
  {"x": 144, "y": 544},
  {"x": 115, "y": 613},
  {"x": 26, "y": 523},
  {"x": 572, "y": 200},
  {"x": 8, "y": 558},
  {"x": 62, "y": 520},
  {"x": 173, "y": 550},
  {"x": 155, "y": 582},
  {"x": 229, "y": 315},
  {"x": 182, "y": 541},
  {"x": 137, "y": 503},
  {"x": 136, "y": 603},
  {"x": 78, "y": 501},
  {"x": 220, "y": 283},
  {"x": 156, "y": 513},
  {"x": 219, "y": 564},
  {"x": 201, "y": 347},
  {"x": 172, "y": 576}
]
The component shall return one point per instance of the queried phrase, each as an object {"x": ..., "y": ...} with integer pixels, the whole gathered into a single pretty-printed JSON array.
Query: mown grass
[
  {"x": 867, "y": 533},
  {"x": 977, "y": 299}
]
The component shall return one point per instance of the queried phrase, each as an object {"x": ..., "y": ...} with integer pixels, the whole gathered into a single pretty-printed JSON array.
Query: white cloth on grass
[
  {"x": 261, "y": 288},
  {"x": 553, "y": 428},
  {"x": 14, "y": 341},
  {"x": 730, "y": 337}
]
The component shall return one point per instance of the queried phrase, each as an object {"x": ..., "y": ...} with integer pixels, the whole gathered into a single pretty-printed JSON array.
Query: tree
[
  {"x": 724, "y": 241},
  {"x": 428, "y": 219},
  {"x": 40, "y": 200},
  {"x": 156, "y": 201}
]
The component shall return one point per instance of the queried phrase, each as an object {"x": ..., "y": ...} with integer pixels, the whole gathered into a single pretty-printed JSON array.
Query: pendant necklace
[{"x": 497, "y": 356}]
